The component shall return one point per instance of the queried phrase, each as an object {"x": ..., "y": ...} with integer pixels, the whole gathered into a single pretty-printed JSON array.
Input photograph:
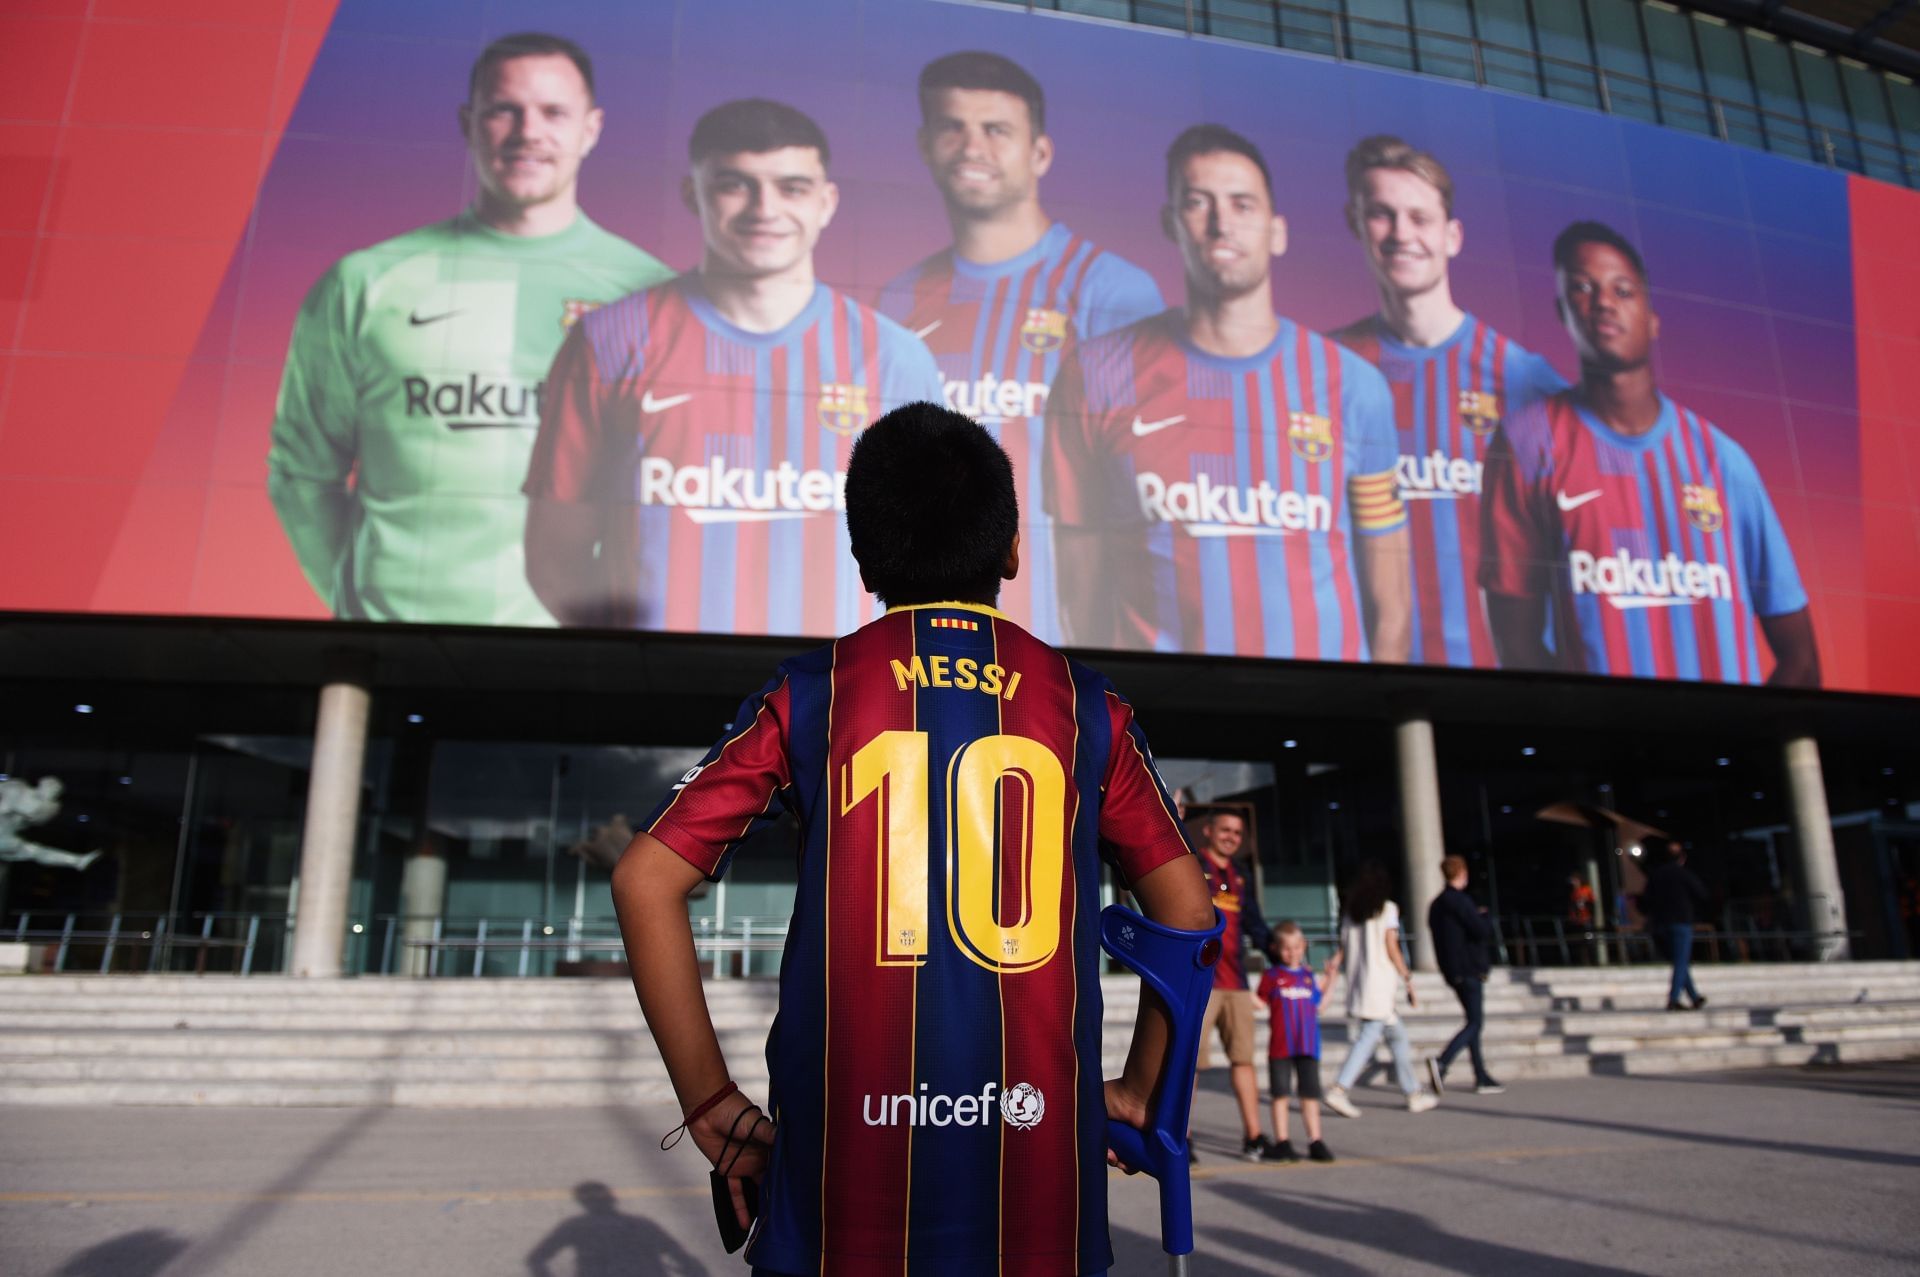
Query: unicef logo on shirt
[{"x": 1023, "y": 1106}]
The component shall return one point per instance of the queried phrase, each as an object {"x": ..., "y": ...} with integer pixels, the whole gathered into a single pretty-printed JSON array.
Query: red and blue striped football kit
[
  {"x": 1659, "y": 552},
  {"x": 998, "y": 332},
  {"x": 1239, "y": 906},
  {"x": 935, "y": 1062},
  {"x": 1215, "y": 498},
  {"x": 717, "y": 456},
  {"x": 1292, "y": 994},
  {"x": 1447, "y": 402}
]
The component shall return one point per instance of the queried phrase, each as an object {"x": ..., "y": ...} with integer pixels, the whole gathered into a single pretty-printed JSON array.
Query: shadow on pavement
[
  {"x": 142, "y": 1253},
  {"x": 1137, "y": 1253},
  {"x": 607, "y": 1243},
  {"x": 1397, "y": 1233},
  {"x": 1869, "y": 1156},
  {"x": 1892, "y": 1081}
]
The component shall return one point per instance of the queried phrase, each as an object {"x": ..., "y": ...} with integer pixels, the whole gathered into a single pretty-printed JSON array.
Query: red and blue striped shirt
[
  {"x": 717, "y": 456},
  {"x": 1209, "y": 504},
  {"x": 998, "y": 332},
  {"x": 1659, "y": 552},
  {"x": 935, "y": 1061},
  {"x": 1293, "y": 995},
  {"x": 1447, "y": 402}
]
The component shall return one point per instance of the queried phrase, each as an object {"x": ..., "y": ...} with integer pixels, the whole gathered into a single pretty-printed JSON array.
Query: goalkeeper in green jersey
[{"x": 411, "y": 395}]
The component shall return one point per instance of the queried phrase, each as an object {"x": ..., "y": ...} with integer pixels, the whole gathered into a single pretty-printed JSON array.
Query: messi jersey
[
  {"x": 717, "y": 457},
  {"x": 935, "y": 1062},
  {"x": 1209, "y": 504},
  {"x": 998, "y": 331},
  {"x": 1447, "y": 401},
  {"x": 416, "y": 371},
  {"x": 1659, "y": 552},
  {"x": 1292, "y": 995}
]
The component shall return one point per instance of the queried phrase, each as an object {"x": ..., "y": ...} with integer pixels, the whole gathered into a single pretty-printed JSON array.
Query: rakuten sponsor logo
[
  {"x": 1628, "y": 581},
  {"x": 990, "y": 399},
  {"x": 1208, "y": 509},
  {"x": 719, "y": 493},
  {"x": 1436, "y": 477},
  {"x": 1021, "y": 1106}
]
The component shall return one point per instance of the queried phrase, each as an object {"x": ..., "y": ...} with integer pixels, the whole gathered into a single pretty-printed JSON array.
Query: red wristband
[{"x": 700, "y": 1110}]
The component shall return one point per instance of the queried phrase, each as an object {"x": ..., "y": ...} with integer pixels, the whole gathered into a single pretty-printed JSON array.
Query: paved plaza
[{"x": 1784, "y": 1171}]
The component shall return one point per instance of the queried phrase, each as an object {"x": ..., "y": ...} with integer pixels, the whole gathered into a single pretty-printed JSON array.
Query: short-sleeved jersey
[
  {"x": 1659, "y": 552},
  {"x": 717, "y": 457},
  {"x": 1222, "y": 494},
  {"x": 1292, "y": 994},
  {"x": 1447, "y": 402},
  {"x": 1239, "y": 906},
  {"x": 935, "y": 1061},
  {"x": 998, "y": 331},
  {"x": 417, "y": 368}
]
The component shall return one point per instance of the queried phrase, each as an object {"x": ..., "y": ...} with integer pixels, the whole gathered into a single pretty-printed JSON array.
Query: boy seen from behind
[
  {"x": 936, "y": 1103},
  {"x": 1291, "y": 990}
]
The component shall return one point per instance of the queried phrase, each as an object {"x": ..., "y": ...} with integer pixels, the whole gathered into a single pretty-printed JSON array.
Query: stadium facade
[{"x": 269, "y": 454}]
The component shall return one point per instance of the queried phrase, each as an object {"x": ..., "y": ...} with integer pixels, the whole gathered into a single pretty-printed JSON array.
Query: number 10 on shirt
[{"x": 992, "y": 783}]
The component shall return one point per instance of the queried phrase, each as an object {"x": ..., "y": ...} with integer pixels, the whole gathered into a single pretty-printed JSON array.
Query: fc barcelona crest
[
  {"x": 1310, "y": 435},
  {"x": 573, "y": 309},
  {"x": 1479, "y": 411},
  {"x": 843, "y": 408},
  {"x": 1044, "y": 331},
  {"x": 1702, "y": 505}
]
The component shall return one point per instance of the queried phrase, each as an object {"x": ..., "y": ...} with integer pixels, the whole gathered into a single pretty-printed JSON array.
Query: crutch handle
[{"x": 1178, "y": 967}]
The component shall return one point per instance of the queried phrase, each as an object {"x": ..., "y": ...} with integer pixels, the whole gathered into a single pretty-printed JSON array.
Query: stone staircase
[{"x": 176, "y": 1039}]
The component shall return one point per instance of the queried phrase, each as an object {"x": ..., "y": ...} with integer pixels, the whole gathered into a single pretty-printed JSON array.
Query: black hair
[
  {"x": 931, "y": 510},
  {"x": 976, "y": 69},
  {"x": 1210, "y": 139},
  {"x": 754, "y": 126},
  {"x": 1367, "y": 892},
  {"x": 1568, "y": 242},
  {"x": 529, "y": 44}
]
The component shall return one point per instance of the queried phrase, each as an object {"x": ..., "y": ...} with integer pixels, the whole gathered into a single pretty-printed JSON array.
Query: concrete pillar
[
  {"x": 1819, "y": 874},
  {"x": 423, "y": 895},
  {"x": 333, "y": 816},
  {"x": 1420, "y": 837}
]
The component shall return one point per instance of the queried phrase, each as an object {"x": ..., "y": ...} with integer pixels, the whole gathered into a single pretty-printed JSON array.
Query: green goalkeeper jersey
[{"x": 409, "y": 407}]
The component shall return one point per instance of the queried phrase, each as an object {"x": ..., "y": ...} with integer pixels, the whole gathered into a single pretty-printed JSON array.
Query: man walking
[
  {"x": 1674, "y": 892},
  {"x": 1461, "y": 935}
]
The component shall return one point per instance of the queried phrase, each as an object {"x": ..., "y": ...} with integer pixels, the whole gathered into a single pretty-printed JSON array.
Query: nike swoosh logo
[
  {"x": 1626, "y": 601},
  {"x": 1143, "y": 428},
  {"x": 712, "y": 514},
  {"x": 649, "y": 404},
  {"x": 1566, "y": 502},
  {"x": 417, "y": 319},
  {"x": 921, "y": 333}
]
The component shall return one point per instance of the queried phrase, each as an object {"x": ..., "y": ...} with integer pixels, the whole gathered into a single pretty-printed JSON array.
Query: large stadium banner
[{"x": 323, "y": 313}]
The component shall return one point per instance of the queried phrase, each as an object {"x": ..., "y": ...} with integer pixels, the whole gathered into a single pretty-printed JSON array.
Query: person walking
[
  {"x": 1461, "y": 934},
  {"x": 1370, "y": 954},
  {"x": 1230, "y": 1004},
  {"x": 1674, "y": 893}
]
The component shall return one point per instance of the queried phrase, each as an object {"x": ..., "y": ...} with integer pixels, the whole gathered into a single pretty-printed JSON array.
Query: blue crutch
[{"x": 1177, "y": 965}]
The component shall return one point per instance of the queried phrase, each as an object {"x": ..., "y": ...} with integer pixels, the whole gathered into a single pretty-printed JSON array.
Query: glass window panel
[
  {"x": 1377, "y": 32},
  {"x": 1565, "y": 53},
  {"x": 1443, "y": 38},
  {"x": 1150, "y": 13},
  {"x": 1311, "y": 26},
  {"x": 1506, "y": 51},
  {"x": 1729, "y": 82},
  {"x": 1784, "y": 117},
  {"x": 1826, "y": 108},
  {"x": 1905, "y": 97},
  {"x": 1249, "y": 20},
  {"x": 1676, "y": 72},
  {"x": 1622, "y": 56},
  {"x": 1867, "y": 103}
]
